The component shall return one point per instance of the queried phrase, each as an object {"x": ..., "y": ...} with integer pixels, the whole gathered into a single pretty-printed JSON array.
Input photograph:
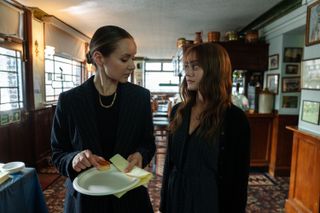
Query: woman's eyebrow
[
  {"x": 192, "y": 62},
  {"x": 126, "y": 55}
]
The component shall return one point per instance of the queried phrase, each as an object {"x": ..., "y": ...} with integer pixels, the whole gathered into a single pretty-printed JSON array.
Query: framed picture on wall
[
  {"x": 291, "y": 84},
  {"x": 310, "y": 74},
  {"x": 289, "y": 101},
  {"x": 273, "y": 83},
  {"x": 274, "y": 62},
  {"x": 313, "y": 24},
  {"x": 311, "y": 112},
  {"x": 292, "y": 69},
  {"x": 292, "y": 54}
]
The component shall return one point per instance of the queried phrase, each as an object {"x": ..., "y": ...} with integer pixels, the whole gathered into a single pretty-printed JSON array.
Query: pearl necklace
[{"x": 110, "y": 105}]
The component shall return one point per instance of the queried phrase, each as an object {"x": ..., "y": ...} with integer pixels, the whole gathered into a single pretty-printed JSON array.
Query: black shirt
[{"x": 107, "y": 120}]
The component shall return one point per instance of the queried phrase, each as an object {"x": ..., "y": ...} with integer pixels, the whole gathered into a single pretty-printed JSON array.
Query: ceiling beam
[{"x": 276, "y": 12}]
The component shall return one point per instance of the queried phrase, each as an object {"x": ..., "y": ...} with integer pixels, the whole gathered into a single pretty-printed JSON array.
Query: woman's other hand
[
  {"x": 84, "y": 160},
  {"x": 134, "y": 159}
]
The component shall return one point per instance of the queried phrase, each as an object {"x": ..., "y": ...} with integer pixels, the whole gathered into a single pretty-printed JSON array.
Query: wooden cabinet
[
  {"x": 261, "y": 135},
  {"x": 247, "y": 56},
  {"x": 304, "y": 190},
  {"x": 243, "y": 56},
  {"x": 281, "y": 147}
]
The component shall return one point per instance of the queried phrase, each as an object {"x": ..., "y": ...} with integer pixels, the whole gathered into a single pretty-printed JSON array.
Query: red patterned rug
[{"x": 265, "y": 194}]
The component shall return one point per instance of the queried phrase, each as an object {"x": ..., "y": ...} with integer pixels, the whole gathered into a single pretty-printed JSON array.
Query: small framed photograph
[
  {"x": 310, "y": 74},
  {"x": 291, "y": 84},
  {"x": 292, "y": 69},
  {"x": 311, "y": 112},
  {"x": 273, "y": 83},
  {"x": 289, "y": 101},
  {"x": 292, "y": 54},
  {"x": 274, "y": 62},
  {"x": 313, "y": 24}
]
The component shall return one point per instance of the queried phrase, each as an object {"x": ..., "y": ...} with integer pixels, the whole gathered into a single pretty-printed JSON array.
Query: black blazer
[
  {"x": 233, "y": 162},
  {"x": 75, "y": 128}
]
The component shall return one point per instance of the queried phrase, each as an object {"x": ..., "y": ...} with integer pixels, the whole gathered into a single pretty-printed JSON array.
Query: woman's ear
[{"x": 97, "y": 58}]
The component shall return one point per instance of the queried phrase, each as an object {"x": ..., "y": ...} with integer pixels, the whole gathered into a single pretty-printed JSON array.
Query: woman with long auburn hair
[{"x": 207, "y": 161}]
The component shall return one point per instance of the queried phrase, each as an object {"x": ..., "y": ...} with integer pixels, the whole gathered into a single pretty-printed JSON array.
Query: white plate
[
  {"x": 13, "y": 167},
  {"x": 95, "y": 182}
]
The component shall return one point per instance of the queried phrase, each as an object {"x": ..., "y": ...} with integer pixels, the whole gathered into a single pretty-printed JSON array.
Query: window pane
[
  {"x": 20, "y": 83},
  {"x": 8, "y": 63},
  {"x": 4, "y": 51},
  {"x": 49, "y": 90},
  {"x": 168, "y": 66},
  {"x": 61, "y": 74},
  {"x": 67, "y": 77},
  {"x": 49, "y": 66},
  {"x": 56, "y": 84},
  {"x": 153, "y": 66},
  {"x": 9, "y": 95},
  {"x": 77, "y": 70},
  {"x": 10, "y": 80},
  {"x": 154, "y": 79},
  {"x": 9, "y": 106}
]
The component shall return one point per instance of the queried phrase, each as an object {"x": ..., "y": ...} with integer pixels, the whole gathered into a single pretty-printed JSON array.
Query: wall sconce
[
  {"x": 89, "y": 67},
  {"x": 36, "y": 48}
]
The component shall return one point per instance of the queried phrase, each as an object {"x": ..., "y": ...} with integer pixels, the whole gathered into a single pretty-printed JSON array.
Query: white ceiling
[{"x": 156, "y": 24}]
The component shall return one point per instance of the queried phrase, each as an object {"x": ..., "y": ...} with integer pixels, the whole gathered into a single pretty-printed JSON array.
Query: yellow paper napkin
[
  {"x": 3, "y": 176},
  {"x": 121, "y": 163}
]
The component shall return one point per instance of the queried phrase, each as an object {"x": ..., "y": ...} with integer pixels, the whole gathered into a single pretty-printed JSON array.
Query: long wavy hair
[{"x": 215, "y": 88}]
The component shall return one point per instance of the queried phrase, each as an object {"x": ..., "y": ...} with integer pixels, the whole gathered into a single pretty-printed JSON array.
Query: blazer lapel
[
  {"x": 125, "y": 120},
  {"x": 90, "y": 129}
]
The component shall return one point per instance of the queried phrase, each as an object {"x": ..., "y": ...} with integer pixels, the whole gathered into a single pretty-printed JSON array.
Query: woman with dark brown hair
[{"x": 207, "y": 162}]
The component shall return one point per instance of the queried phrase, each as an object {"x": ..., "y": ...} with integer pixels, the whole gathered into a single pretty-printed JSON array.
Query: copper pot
[
  {"x": 213, "y": 36},
  {"x": 181, "y": 42},
  {"x": 231, "y": 36},
  {"x": 252, "y": 36},
  {"x": 198, "y": 38}
]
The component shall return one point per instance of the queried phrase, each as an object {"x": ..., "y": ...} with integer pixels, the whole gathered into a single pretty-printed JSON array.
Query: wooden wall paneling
[
  {"x": 42, "y": 131},
  {"x": 304, "y": 190},
  {"x": 281, "y": 148},
  {"x": 4, "y": 145},
  {"x": 21, "y": 141},
  {"x": 28, "y": 140}
]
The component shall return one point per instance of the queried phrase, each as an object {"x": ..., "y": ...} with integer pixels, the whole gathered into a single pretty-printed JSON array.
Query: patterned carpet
[{"x": 265, "y": 194}]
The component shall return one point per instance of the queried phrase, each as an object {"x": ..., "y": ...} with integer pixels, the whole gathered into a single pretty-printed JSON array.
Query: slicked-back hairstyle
[{"x": 105, "y": 40}]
